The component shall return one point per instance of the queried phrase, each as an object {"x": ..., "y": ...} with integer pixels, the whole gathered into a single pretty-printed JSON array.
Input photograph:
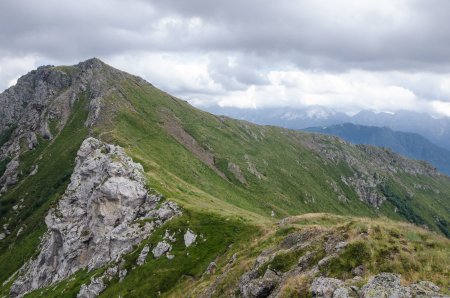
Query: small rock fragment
[
  {"x": 324, "y": 287},
  {"x": 142, "y": 256},
  {"x": 93, "y": 289},
  {"x": 189, "y": 238},
  {"x": 359, "y": 270},
  {"x": 211, "y": 268},
  {"x": 161, "y": 248}
]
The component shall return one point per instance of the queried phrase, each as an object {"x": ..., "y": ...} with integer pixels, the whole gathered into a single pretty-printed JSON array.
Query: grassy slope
[{"x": 295, "y": 179}]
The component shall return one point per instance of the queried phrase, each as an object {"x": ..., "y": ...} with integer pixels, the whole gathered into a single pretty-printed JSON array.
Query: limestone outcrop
[{"x": 105, "y": 211}]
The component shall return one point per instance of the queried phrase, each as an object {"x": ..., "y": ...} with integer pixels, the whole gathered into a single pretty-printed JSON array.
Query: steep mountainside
[
  {"x": 86, "y": 151},
  {"x": 407, "y": 144}
]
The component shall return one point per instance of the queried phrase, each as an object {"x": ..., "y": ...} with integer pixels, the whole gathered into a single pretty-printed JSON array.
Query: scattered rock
[
  {"x": 143, "y": 255},
  {"x": 324, "y": 287},
  {"x": 32, "y": 140},
  {"x": 35, "y": 170},
  {"x": 340, "y": 245},
  {"x": 19, "y": 231},
  {"x": 189, "y": 238},
  {"x": 112, "y": 271},
  {"x": 93, "y": 289},
  {"x": 122, "y": 274},
  {"x": 359, "y": 270},
  {"x": 385, "y": 285},
  {"x": 161, "y": 248},
  {"x": 236, "y": 170},
  {"x": 325, "y": 261},
  {"x": 169, "y": 237},
  {"x": 211, "y": 268},
  {"x": 9, "y": 177},
  {"x": 425, "y": 289},
  {"x": 258, "y": 288}
]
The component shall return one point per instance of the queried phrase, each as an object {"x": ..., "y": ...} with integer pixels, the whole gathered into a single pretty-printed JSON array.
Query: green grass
[
  {"x": 295, "y": 179},
  {"x": 355, "y": 254},
  {"x": 161, "y": 275},
  {"x": 68, "y": 288}
]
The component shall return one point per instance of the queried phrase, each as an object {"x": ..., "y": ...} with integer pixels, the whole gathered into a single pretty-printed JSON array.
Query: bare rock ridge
[{"x": 105, "y": 210}]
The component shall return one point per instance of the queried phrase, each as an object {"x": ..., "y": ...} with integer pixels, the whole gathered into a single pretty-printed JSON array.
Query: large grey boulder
[
  {"x": 385, "y": 285},
  {"x": 101, "y": 216},
  {"x": 324, "y": 287}
]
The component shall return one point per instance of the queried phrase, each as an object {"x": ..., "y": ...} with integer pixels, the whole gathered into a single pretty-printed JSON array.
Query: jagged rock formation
[{"x": 105, "y": 210}]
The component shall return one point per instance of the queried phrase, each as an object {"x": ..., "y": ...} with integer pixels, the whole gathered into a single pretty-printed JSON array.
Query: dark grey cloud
[
  {"x": 336, "y": 35},
  {"x": 347, "y": 54}
]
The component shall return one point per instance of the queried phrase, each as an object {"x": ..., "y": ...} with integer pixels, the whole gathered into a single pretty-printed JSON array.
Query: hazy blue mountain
[
  {"x": 437, "y": 130},
  {"x": 284, "y": 116},
  {"x": 411, "y": 145}
]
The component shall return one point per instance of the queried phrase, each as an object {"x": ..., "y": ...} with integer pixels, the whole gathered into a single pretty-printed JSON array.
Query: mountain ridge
[
  {"x": 231, "y": 178},
  {"x": 411, "y": 145}
]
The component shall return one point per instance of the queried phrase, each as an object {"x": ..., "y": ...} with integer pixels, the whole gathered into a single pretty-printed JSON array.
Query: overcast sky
[{"x": 349, "y": 55}]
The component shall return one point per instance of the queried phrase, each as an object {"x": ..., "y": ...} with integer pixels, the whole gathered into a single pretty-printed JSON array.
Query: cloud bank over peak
[{"x": 385, "y": 55}]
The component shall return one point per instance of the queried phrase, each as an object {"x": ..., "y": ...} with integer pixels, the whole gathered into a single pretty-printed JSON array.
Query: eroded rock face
[{"x": 105, "y": 210}]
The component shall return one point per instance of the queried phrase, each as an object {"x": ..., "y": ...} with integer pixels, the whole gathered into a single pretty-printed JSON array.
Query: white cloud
[
  {"x": 381, "y": 55},
  {"x": 11, "y": 68}
]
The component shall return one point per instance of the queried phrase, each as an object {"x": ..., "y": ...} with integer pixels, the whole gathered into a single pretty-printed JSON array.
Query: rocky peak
[
  {"x": 105, "y": 211},
  {"x": 42, "y": 101}
]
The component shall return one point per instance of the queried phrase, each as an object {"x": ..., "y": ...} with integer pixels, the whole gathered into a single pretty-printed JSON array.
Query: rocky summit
[{"x": 110, "y": 187}]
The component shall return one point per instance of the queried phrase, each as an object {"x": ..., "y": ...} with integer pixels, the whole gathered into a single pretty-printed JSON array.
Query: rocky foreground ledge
[
  {"x": 301, "y": 263},
  {"x": 105, "y": 211}
]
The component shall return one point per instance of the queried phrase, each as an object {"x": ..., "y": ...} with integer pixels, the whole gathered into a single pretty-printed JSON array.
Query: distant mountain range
[
  {"x": 437, "y": 130},
  {"x": 411, "y": 145}
]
